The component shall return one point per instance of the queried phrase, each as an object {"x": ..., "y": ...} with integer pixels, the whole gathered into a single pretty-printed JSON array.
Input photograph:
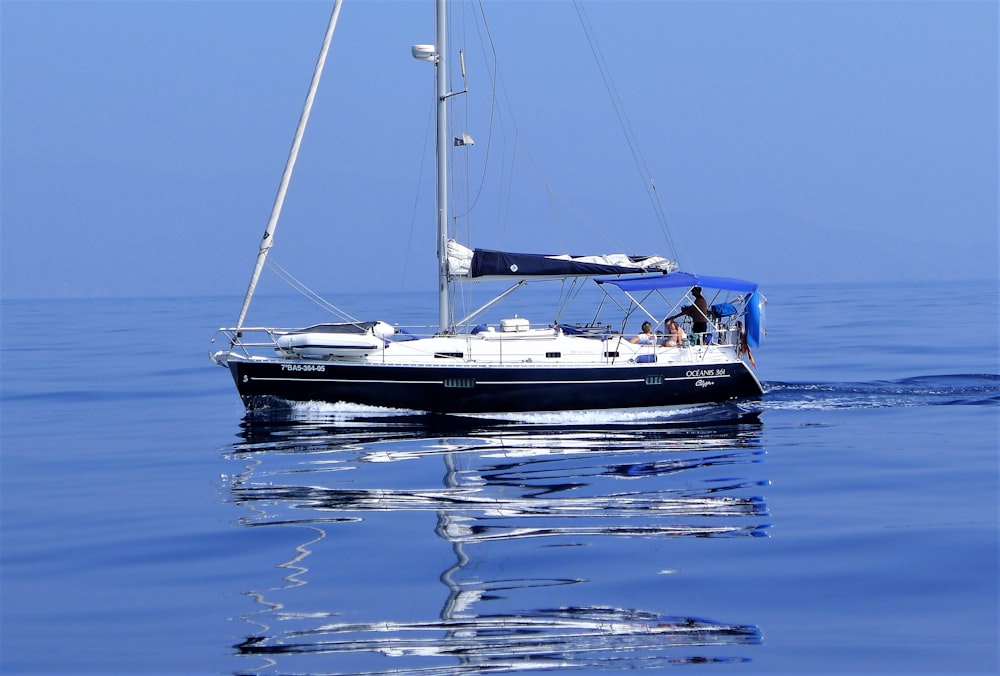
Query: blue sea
[{"x": 845, "y": 523}]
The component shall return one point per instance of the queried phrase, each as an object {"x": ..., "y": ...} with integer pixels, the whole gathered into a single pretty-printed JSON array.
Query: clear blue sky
[{"x": 790, "y": 141}]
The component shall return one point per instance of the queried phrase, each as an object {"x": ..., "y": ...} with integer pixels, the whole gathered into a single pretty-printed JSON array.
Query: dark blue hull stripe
[{"x": 484, "y": 389}]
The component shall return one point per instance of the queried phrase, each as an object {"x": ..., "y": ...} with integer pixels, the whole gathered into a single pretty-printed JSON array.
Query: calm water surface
[{"x": 848, "y": 522}]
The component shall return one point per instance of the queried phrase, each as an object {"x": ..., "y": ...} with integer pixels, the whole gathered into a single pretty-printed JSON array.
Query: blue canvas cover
[
  {"x": 754, "y": 319},
  {"x": 489, "y": 263},
  {"x": 723, "y": 310},
  {"x": 676, "y": 280}
]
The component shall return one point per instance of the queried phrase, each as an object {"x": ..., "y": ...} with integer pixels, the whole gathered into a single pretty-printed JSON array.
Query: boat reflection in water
[{"x": 453, "y": 546}]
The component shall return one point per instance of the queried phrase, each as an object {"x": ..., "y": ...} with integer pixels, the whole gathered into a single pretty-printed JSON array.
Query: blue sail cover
[
  {"x": 489, "y": 263},
  {"x": 676, "y": 280}
]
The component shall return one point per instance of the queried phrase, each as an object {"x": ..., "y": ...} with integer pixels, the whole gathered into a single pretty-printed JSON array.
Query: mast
[
  {"x": 441, "y": 77},
  {"x": 279, "y": 200},
  {"x": 437, "y": 54}
]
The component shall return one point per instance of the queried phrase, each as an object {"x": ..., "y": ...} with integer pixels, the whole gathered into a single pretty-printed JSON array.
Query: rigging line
[
  {"x": 450, "y": 151},
  {"x": 613, "y": 94},
  {"x": 455, "y": 185},
  {"x": 457, "y": 292},
  {"x": 456, "y": 133},
  {"x": 623, "y": 120},
  {"x": 507, "y": 175},
  {"x": 299, "y": 286},
  {"x": 497, "y": 88},
  {"x": 496, "y": 119},
  {"x": 490, "y": 58},
  {"x": 279, "y": 199},
  {"x": 568, "y": 292},
  {"x": 564, "y": 245},
  {"x": 305, "y": 291},
  {"x": 493, "y": 60},
  {"x": 509, "y": 188},
  {"x": 558, "y": 197},
  {"x": 519, "y": 145},
  {"x": 627, "y": 130},
  {"x": 416, "y": 197}
]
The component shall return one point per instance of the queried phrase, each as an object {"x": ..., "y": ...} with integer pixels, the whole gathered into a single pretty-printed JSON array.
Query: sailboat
[{"x": 463, "y": 366}]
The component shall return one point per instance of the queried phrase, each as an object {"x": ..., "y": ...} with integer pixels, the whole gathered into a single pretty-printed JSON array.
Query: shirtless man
[{"x": 698, "y": 312}]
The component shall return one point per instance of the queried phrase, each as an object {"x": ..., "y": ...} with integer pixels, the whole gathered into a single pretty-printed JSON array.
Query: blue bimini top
[{"x": 676, "y": 280}]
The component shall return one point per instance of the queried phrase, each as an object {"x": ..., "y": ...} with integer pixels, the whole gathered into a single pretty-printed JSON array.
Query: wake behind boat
[{"x": 510, "y": 365}]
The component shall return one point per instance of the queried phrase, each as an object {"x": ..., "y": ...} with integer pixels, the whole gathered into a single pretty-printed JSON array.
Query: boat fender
[
  {"x": 383, "y": 330},
  {"x": 753, "y": 319}
]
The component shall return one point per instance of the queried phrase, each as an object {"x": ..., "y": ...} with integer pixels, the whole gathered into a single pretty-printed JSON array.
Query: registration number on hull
[{"x": 303, "y": 367}]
